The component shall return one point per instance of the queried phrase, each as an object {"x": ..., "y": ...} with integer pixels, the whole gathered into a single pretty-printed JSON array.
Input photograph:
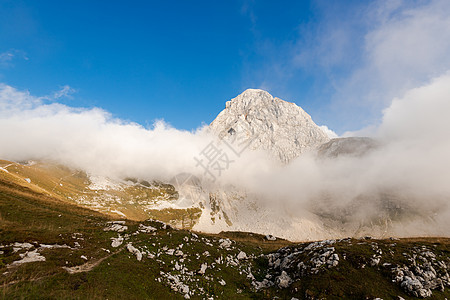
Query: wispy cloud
[
  {"x": 16, "y": 101},
  {"x": 357, "y": 58},
  {"x": 65, "y": 91},
  {"x": 7, "y": 57},
  {"x": 13, "y": 100},
  {"x": 407, "y": 46}
]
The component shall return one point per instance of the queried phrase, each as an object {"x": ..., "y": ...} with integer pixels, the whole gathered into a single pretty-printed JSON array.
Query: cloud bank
[
  {"x": 402, "y": 73},
  {"x": 91, "y": 139},
  {"x": 405, "y": 177}
]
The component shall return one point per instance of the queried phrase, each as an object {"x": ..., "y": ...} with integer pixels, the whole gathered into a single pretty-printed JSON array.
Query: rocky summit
[{"x": 265, "y": 122}]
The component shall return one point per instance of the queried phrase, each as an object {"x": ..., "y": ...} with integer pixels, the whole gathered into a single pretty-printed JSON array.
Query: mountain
[
  {"x": 351, "y": 146},
  {"x": 255, "y": 119},
  {"x": 258, "y": 120}
]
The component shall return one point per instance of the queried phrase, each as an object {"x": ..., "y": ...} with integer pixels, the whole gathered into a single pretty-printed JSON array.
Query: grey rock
[{"x": 258, "y": 120}]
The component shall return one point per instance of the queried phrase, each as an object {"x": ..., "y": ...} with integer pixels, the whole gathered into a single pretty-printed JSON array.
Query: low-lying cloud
[
  {"x": 91, "y": 139},
  {"x": 406, "y": 178},
  {"x": 408, "y": 173}
]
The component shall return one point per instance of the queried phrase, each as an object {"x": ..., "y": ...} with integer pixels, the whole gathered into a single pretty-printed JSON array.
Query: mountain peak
[
  {"x": 254, "y": 93},
  {"x": 268, "y": 123},
  {"x": 255, "y": 97}
]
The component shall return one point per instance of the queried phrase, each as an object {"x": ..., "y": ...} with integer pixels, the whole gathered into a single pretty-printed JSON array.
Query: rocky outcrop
[
  {"x": 290, "y": 264},
  {"x": 257, "y": 120},
  {"x": 424, "y": 273}
]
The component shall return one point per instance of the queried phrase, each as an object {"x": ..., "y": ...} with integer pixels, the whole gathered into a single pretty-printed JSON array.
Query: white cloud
[
  {"x": 357, "y": 58},
  {"x": 421, "y": 114},
  {"x": 91, "y": 139},
  {"x": 15, "y": 101},
  {"x": 65, "y": 91},
  {"x": 331, "y": 134},
  {"x": 411, "y": 166},
  {"x": 405, "y": 58},
  {"x": 405, "y": 46},
  {"x": 12, "y": 100},
  {"x": 410, "y": 169},
  {"x": 7, "y": 57}
]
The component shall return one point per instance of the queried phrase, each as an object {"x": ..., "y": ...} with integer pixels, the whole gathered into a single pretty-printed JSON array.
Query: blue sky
[{"x": 181, "y": 60}]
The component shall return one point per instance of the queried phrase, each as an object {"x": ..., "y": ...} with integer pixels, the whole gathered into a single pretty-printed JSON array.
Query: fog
[
  {"x": 410, "y": 167},
  {"x": 91, "y": 139},
  {"x": 409, "y": 170},
  {"x": 406, "y": 178}
]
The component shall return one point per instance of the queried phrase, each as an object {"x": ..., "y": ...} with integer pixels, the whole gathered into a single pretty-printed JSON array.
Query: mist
[
  {"x": 405, "y": 181},
  {"x": 405, "y": 178},
  {"x": 409, "y": 168},
  {"x": 92, "y": 139}
]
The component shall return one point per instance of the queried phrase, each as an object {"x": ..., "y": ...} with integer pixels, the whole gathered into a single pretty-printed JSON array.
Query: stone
[
  {"x": 242, "y": 255},
  {"x": 284, "y": 281},
  {"x": 203, "y": 268},
  {"x": 134, "y": 251},
  {"x": 116, "y": 242},
  {"x": 270, "y": 237}
]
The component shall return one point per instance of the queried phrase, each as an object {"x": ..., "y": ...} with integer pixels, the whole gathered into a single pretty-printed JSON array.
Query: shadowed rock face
[
  {"x": 264, "y": 122},
  {"x": 352, "y": 146}
]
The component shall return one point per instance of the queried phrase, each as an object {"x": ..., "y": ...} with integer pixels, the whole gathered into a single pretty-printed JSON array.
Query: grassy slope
[
  {"x": 71, "y": 186},
  {"x": 29, "y": 216}
]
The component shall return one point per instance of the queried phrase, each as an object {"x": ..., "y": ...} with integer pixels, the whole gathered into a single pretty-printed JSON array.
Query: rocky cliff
[{"x": 258, "y": 119}]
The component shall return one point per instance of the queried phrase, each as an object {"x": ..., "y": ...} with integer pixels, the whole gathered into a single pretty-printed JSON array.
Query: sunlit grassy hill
[{"x": 129, "y": 198}]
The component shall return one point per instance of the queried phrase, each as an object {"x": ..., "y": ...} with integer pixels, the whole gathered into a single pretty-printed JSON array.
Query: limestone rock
[{"x": 257, "y": 120}]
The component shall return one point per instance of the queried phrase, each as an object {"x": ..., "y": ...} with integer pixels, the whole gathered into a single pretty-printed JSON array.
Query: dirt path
[
  {"x": 73, "y": 270},
  {"x": 90, "y": 264}
]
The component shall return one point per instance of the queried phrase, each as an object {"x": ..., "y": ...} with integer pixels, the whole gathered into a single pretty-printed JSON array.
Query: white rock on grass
[
  {"x": 283, "y": 280},
  {"x": 177, "y": 266},
  {"x": 242, "y": 255},
  {"x": 54, "y": 246},
  {"x": 270, "y": 237},
  {"x": 146, "y": 229},
  {"x": 134, "y": 251},
  {"x": 116, "y": 242},
  {"x": 117, "y": 226},
  {"x": 19, "y": 246},
  {"x": 224, "y": 243},
  {"x": 28, "y": 257},
  {"x": 203, "y": 268}
]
